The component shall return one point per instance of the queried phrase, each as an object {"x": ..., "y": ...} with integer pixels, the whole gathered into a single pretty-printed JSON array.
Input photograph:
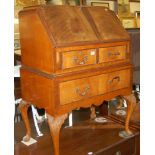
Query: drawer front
[
  {"x": 76, "y": 90},
  {"x": 78, "y": 58},
  {"x": 80, "y": 89},
  {"x": 115, "y": 81},
  {"x": 112, "y": 54}
]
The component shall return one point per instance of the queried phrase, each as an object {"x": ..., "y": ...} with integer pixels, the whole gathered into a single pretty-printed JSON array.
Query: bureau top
[{"x": 74, "y": 25}]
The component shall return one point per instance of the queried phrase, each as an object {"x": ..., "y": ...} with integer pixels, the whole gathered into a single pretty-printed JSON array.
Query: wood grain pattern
[
  {"x": 72, "y": 24},
  {"x": 78, "y": 89},
  {"x": 107, "y": 29},
  {"x": 95, "y": 85},
  {"x": 112, "y": 54},
  {"x": 78, "y": 58},
  {"x": 102, "y": 58},
  {"x": 44, "y": 91}
]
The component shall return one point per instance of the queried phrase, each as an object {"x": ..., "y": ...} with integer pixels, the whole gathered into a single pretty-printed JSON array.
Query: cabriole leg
[
  {"x": 130, "y": 101},
  {"x": 93, "y": 112},
  {"x": 120, "y": 102},
  {"x": 23, "y": 106},
  {"x": 55, "y": 124}
]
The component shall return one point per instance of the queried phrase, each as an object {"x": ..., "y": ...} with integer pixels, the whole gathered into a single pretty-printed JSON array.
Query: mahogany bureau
[{"x": 72, "y": 57}]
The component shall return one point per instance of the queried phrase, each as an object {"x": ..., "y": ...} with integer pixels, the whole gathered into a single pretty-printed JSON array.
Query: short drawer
[
  {"x": 115, "y": 81},
  {"x": 78, "y": 58},
  {"x": 112, "y": 53},
  {"x": 75, "y": 90}
]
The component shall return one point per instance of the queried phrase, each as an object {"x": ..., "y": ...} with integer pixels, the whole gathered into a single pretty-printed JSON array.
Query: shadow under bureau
[{"x": 72, "y": 57}]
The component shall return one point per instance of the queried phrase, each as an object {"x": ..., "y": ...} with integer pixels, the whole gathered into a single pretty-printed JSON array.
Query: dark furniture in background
[
  {"x": 17, "y": 88},
  {"x": 135, "y": 53}
]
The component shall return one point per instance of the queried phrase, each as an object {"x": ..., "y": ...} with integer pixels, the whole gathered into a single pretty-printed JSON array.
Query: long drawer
[{"x": 79, "y": 89}]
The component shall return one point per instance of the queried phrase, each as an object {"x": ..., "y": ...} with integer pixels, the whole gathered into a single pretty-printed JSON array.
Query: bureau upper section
[{"x": 46, "y": 30}]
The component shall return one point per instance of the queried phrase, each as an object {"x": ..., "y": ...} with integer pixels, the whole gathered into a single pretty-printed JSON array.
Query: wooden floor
[
  {"x": 85, "y": 136},
  {"x": 19, "y": 129},
  {"x": 82, "y": 138}
]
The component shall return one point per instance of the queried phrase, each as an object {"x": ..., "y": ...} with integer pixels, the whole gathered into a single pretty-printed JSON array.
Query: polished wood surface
[
  {"x": 99, "y": 56},
  {"x": 112, "y": 54},
  {"x": 91, "y": 86},
  {"x": 106, "y": 29},
  {"x": 51, "y": 93},
  {"x": 35, "y": 41},
  {"x": 83, "y": 137},
  {"x": 73, "y": 57},
  {"x": 47, "y": 26},
  {"x": 78, "y": 58},
  {"x": 72, "y": 23}
]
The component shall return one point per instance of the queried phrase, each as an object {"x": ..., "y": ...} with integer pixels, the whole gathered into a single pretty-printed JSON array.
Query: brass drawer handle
[
  {"x": 83, "y": 93},
  {"x": 80, "y": 62},
  {"x": 113, "y": 53},
  {"x": 118, "y": 153},
  {"x": 116, "y": 78}
]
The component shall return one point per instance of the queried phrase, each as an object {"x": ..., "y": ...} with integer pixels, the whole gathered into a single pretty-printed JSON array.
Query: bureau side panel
[
  {"x": 36, "y": 48},
  {"x": 38, "y": 90}
]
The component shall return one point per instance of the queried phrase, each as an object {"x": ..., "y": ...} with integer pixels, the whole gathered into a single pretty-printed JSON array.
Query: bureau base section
[{"x": 60, "y": 95}]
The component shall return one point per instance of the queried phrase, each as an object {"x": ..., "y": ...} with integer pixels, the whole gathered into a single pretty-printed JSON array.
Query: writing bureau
[{"x": 72, "y": 57}]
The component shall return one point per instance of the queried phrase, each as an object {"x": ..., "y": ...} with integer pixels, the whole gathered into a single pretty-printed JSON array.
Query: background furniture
[
  {"x": 17, "y": 87},
  {"x": 135, "y": 53}
]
